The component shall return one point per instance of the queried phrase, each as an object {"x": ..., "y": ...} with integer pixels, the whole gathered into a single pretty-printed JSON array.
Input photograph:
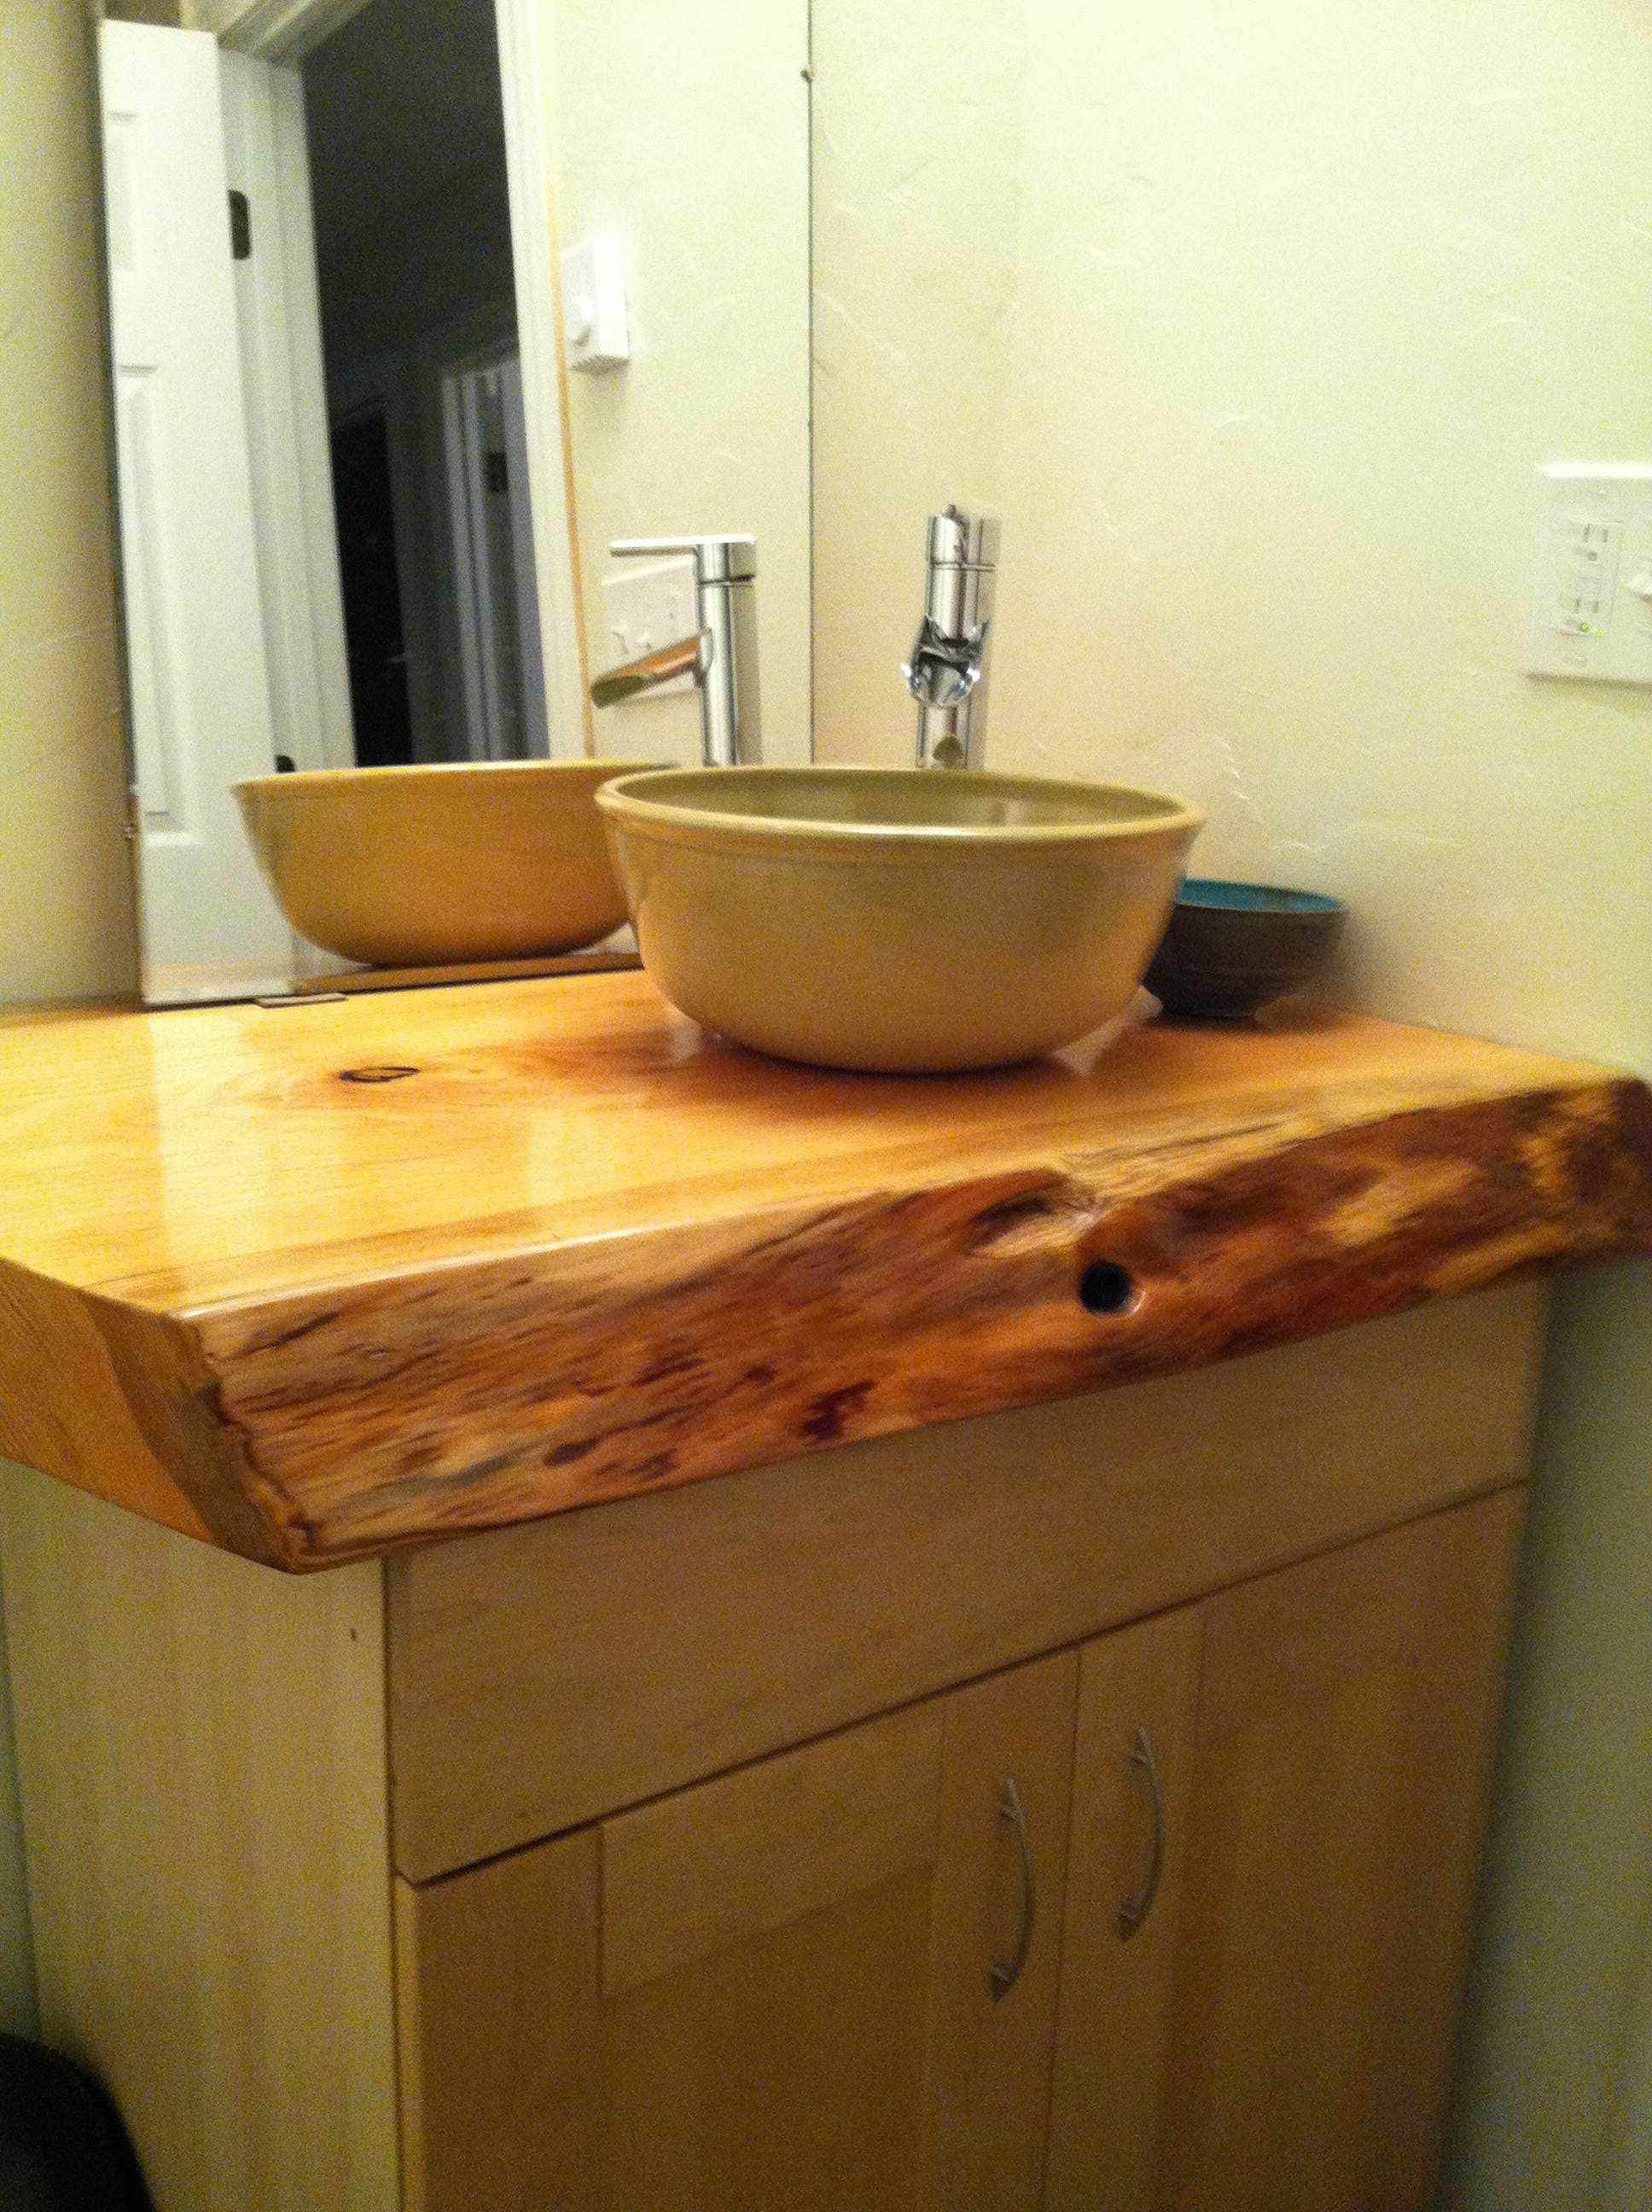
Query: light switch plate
[
  {"x": 1591, "y": 611},
  {"x": 596, "y": 329},
  {"x": 650, "y": 604}
]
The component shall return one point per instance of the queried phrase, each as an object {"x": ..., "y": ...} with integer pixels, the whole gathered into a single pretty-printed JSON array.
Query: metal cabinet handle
[
  {"x": 1006, "y": 1972},
  {"x": 1135, "y": 1910}
]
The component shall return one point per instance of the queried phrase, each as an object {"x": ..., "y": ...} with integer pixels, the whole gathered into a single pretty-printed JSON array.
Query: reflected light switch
[{"x": 595, "y": 325}]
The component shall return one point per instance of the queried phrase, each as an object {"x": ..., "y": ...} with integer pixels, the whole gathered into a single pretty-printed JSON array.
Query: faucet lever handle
[
  {"x": 957, "y": 539},
  {"x": 727, "y": 559}
]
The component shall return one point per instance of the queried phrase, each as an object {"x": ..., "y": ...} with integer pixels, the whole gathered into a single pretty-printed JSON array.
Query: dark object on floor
[
  {"x": 61, "y": 2146},
  {"x": 1231, "y": 947}
]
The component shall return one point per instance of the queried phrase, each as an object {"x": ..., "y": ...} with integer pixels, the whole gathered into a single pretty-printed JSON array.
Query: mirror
[{"x": 365, "y": 503}]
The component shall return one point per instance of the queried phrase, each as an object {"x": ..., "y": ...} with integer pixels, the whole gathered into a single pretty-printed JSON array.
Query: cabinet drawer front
[{"x": 545, "y": 1675}]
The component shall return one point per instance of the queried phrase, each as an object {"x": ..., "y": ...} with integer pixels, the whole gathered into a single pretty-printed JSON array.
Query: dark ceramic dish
[{"x": 1231, "y": 947}]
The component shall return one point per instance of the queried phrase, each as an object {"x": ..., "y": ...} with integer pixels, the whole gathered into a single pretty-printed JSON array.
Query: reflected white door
[
  {"x": 278, "y": 314},
  {"x": 200, "y": 697}
]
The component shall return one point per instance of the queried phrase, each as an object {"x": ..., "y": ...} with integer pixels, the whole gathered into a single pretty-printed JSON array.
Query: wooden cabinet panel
[
  {"x": 1345, "y": 1729},
  {"x": 987, "y": 2088},
  {"x": 498, "y": 1975},
  {"x": 774, "y": 1989},
  {"x": 202, "y": 1747},
  {"x": 1138, "y": 1690},
  {"x": 692, "y": 1875}
]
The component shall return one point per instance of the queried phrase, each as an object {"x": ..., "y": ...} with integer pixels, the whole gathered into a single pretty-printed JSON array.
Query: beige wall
[
  {"x": 1255, "y": 322},
  {"x": 65, "y": 901},
  {"x": 687, "y": 128}
]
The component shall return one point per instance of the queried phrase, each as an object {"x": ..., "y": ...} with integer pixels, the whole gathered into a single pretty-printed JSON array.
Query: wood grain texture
[
  {"x": 987, "y": 2059},
  {"x": 201, "y": 1750},
  {"x": 689, "y": 1876},
  {"x": 1347, "y": 1717},
  {"x": 770, "y": 1991},
  {"x": 1107, "y": 2101},
  {"x": 498, "y": 1981},
  {"x": 569, "y": 1249},
  {"x": 663, "y": 1638}
]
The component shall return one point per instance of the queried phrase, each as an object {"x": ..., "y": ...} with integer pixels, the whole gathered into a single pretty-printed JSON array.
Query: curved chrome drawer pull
[
  {"x": 1006, "y": 1972},
  {"x": 1135, "y": 1910}
]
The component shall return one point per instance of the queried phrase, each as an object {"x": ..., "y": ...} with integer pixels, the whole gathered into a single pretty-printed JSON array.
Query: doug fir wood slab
[{"x": 322, "y": 1280}]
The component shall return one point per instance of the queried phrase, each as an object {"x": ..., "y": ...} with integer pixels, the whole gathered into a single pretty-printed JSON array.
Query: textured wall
[
  {"x": 1255, "y": 322},
  {"x": 688, "y": 128},
  {"x": 65, "y": 898}
]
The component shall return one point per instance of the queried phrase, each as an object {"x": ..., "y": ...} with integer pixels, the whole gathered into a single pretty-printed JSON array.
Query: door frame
[{"x": 287, "y": 30}]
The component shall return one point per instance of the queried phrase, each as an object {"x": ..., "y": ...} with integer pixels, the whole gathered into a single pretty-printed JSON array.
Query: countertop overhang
[{"x": 317, "y": 1281}]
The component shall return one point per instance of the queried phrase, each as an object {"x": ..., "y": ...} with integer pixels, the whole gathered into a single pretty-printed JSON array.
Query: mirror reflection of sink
[
  {"x": 406, "y": 867},
  {"x": 917, "y": 921}
]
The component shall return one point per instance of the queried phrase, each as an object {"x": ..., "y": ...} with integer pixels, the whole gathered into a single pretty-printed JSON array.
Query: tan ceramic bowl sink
[
  {"x": 411, "y": 867},
  {"x": 896, "y": 919}
]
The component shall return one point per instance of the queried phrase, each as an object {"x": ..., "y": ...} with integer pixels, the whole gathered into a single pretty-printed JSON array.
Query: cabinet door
[
  {"x": 1346, "y": 1719},
  {"x": 774, "y": 1989},
  {"x": 1276, "y": 2035},
  {"x": 1137, "y": 1689}
]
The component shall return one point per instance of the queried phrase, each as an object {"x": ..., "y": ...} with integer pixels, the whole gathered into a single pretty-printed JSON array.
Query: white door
[
  {"x": 267, "y": 160},
  {"x": 200, "y": 696}
]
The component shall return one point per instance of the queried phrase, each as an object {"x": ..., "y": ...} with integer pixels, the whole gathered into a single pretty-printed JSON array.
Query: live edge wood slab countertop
[{"x": 318, "y": 1281}]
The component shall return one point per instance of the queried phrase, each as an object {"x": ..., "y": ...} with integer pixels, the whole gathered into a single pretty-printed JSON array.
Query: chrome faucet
[
  {"x": 720, "y": 652},
  {"x": 947, "y": 671}
]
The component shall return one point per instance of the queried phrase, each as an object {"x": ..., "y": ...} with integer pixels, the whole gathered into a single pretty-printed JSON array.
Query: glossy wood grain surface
[{"x": 325, "y": 1278}]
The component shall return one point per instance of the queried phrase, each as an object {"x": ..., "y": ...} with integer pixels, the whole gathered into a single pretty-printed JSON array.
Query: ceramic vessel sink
[
  {"x": 919, "y": 921},
  {"x": 407, "y": 867}
]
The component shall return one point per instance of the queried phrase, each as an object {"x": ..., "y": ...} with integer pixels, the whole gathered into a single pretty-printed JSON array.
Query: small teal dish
[{"x": 1231, "y": 948}]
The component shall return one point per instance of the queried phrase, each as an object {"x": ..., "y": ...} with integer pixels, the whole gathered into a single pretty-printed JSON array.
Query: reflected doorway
[
  {"x": 375, "y": 648},
  {"x": 406, "y": 131}
]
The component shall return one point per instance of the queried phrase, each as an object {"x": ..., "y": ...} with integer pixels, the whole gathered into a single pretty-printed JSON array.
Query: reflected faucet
[
  {"x": 721, "y": 653},
  {"x": 947, "y": 671}
]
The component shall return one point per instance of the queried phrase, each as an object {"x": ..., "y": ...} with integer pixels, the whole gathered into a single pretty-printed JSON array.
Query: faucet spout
[{"x": 687, "y": 656}]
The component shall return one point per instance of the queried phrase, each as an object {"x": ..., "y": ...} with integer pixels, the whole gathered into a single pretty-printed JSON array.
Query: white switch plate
[
  {"x": 596, "y": 329},
  {"x": 650, "y": 604},
  {"x": 1591, "y": 613}
]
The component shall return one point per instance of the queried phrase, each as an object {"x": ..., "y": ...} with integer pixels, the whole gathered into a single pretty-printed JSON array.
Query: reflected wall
[{"x": 688, "y": 130}]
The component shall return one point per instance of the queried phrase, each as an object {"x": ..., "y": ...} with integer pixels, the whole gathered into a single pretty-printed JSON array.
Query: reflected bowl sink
[
  {"x": 899, "y": 921},
  {"x": 413, "y": 867}
]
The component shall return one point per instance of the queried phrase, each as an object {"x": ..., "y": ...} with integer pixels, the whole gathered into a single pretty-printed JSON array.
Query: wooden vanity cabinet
[
  {"x": 662, "y": 1855},
  {"x": 778, "y": 1988}
]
